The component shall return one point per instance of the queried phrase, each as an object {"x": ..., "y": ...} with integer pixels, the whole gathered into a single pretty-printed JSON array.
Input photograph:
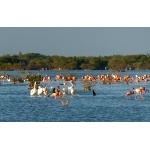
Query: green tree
[{"x": 117, "y": 63}]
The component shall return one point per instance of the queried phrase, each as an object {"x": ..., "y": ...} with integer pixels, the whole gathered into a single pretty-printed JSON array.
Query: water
[{"x": 109, "y": 105}]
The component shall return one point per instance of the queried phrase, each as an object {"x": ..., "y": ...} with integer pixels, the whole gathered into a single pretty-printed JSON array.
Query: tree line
[{"x": 36, "y": 61}]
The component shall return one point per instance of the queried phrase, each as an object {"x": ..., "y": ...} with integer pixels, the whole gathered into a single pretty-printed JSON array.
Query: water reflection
[{"x": 64, "y": 102}]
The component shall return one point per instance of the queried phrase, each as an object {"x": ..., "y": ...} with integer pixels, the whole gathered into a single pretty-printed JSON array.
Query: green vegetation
[
  {"x": 36, "y": 61},
  {"x": 33, "y": 78}
]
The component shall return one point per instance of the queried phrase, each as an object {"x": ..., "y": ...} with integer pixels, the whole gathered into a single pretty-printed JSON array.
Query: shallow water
[{"x": 109, "y": 105}]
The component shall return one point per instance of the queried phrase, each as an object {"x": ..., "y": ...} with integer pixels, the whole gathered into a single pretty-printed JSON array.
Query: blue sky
[{"x": 75, "y": 41}]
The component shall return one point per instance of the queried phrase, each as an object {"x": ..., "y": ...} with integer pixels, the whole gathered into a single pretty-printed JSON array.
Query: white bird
[
  {"x": 72, "y": 91},
  {"x": 34, "y": 90},
  {"x": 45, "y": 92},
  {"x": 63, "y": 91},
  {"x": 70, "y": 88},
  {"x": 40, "y": 90},
  {"x": 8, "y": 79}
]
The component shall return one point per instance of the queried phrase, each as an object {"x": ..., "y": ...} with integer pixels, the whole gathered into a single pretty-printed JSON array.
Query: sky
[{"x": 75, "y": 41}]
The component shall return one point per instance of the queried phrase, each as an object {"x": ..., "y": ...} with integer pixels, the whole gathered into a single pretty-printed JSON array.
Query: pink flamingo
[
  {"x": 129, "y": 93},
  {"x": 138, "y": 92},
  {"x": 144, "y": 89}
]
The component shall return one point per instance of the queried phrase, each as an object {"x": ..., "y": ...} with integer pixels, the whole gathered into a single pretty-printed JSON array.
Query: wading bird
[
  {"x": 138, "y": 93},
  {"x": 34, "y": 90},
  {"x": 129, "y": 93},
  {"x": 94, "y": 94}
]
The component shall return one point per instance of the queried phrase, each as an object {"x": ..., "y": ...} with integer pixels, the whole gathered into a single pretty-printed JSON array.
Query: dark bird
[{"x": 94, "y": 93}]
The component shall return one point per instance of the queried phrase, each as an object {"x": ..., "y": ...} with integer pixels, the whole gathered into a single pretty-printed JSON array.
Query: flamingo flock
[
  {"x": 68, "y": 88},
  {"x": 88, "y": 81}
]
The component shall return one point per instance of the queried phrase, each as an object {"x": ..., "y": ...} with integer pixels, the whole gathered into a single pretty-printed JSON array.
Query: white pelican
[
  {"x": 70, "y": 88},
  {"x": 45, "y": 92},
  {"x": 34, "y": 90},
  {"x": 8, "y": 79},
  {"x": 42, "y": 90},
  {"x": 63, "y": 91}
]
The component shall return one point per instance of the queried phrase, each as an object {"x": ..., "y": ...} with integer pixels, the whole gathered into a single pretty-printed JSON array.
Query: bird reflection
[{"x": 64, "y": 102}]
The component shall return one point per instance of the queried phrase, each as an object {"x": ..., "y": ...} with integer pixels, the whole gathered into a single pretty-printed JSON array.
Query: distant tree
[
  {"x": 117, "y": 63},
  {"x": 36, "y": 61}
]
